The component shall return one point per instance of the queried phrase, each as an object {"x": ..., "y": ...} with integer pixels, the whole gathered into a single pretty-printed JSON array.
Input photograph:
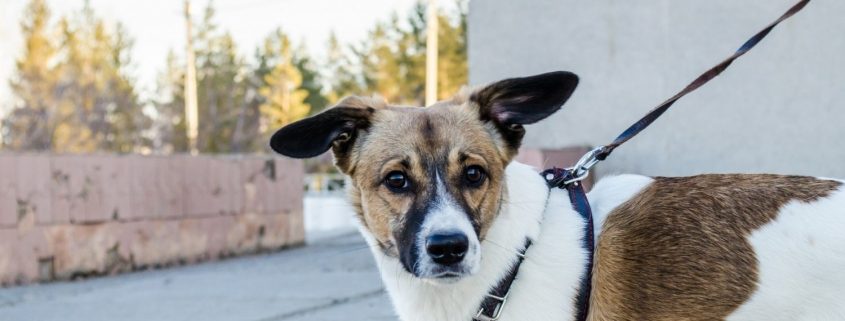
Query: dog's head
[{"x": 428, "y": 182}]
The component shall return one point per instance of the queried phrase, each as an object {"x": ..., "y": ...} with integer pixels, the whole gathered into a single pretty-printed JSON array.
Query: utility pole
[
  {"x": 191, "y": 111},
  {"x": 431, "y": 53}
]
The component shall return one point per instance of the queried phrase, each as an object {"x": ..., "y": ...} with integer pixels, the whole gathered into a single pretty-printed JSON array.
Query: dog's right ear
[{"x": 334, "y": 128}]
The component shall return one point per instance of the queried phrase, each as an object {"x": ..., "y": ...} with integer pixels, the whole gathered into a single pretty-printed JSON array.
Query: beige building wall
[{"x": 780, "y": 108}]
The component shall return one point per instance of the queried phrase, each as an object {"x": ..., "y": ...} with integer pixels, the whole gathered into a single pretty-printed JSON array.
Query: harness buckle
[{"x": 497, "y": 312}]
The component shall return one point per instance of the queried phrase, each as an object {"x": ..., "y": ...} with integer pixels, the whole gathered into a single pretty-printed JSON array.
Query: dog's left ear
[{"x": 514, "y": 102}]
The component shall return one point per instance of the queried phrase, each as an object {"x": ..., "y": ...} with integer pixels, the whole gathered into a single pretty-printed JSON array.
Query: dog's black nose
[{"x": 447, "y": 249}]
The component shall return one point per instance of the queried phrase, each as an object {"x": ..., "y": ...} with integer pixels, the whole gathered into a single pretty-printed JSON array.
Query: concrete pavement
[{"x": 331, "y": 279}]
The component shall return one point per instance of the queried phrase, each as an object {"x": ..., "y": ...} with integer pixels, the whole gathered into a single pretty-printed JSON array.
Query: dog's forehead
[{"x": 426, "y": 130}]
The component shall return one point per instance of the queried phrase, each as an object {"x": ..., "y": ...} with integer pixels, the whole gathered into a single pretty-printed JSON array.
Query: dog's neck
[{"x": 522, "y": 216}]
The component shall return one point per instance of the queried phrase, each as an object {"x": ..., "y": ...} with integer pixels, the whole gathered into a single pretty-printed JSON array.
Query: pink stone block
[
  {"x": 115, "y": 177},
  {"x": 16, "y": 262},
  {"x": 243, "y": 235},
  {"x": 198, "y": 191},
  {"x": 151, "y": 243},
  {"x": 218, "y": 196},
  {"x": 68, "y": 199},
  {"x": 216, "y": 230},
  {"x": 274, "y": 231},
  {"x": 233, "y": 188},
  {"x": 193, "y": 239},
  {"x": 34, "y": 180},
  {"x": 290, "y": 180},
  {"x": 142, "y": 239},
  {"x": 8, "y": 191},
  {"x": 275, "y": 180},
  {"x": 143, "y": 190},
  {"x": 194, "y": 186},
  {"x": 91, "y": 248},
  {"x": 20, "y": 252},
  {"x": 227, "y": 181},
  {"x": 253, "y": 184},
  {"x": 103, "y": 191},
  {"x": 170, "y": 179},
  {"x": 92, "y": 190}
]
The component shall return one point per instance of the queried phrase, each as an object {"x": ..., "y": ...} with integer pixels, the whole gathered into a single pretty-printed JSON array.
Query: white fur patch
[
  {"x": 446, "y": 216},
  {"x": 801, "y": 258}
]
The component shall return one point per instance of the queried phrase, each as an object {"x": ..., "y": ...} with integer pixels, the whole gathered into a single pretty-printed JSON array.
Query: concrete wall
[
  {"x": 779, "y": 108},
  {"x": 67, "y": 216}
]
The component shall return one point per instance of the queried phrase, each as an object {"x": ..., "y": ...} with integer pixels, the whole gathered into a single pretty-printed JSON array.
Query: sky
[{"x": 158, "y": 26}]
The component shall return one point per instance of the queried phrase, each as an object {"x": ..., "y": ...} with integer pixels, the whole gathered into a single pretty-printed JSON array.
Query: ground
[{"x": 333, "y": 278}]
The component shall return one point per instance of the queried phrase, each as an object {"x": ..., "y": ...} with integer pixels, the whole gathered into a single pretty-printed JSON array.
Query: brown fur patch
[{"x": 679, "y": 249}]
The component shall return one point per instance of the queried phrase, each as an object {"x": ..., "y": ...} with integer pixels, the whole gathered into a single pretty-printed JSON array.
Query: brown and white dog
[{"x": 446, "y": 211}]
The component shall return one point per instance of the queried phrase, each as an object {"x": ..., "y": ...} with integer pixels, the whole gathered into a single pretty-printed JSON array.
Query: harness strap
[
  {"x": 566, "y": 178},
  {"x": 708, "y": 75},
  {"x": 491, "y": 307}
]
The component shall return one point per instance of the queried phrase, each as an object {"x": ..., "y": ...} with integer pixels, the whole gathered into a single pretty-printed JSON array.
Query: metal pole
[
  {"x": 191, "y": 111},
  {"x": 431, "y": 54}
]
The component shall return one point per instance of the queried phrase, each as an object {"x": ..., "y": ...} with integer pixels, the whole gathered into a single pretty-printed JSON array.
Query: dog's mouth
[
  {"x": 448, "y": 275},
  {"x": 445, "y": 277}
]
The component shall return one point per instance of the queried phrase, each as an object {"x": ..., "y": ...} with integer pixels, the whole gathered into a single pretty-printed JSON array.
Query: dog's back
[{"x": 723, "y": 247}]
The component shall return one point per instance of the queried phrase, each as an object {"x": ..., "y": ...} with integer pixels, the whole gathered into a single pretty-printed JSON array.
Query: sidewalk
[{"x": 331, "y": 279}]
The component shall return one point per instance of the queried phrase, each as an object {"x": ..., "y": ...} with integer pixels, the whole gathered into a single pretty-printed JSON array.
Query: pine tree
[
  {"x": 282, "y": 92},
  {"x": 452, "y": 67},
  {"x": 339, "y": 72},
  {"x": 391, "y": 62},
  {"x": 222, "y": 91},
  {"x": 239, "y": 103},
  {"x": 75, "y": 93},
  {"x": 169, "y": 128},
  {"x": 311, "y": 81},
  {"x": 98, "y": 107},
  {"x": 27, "y": 127}
]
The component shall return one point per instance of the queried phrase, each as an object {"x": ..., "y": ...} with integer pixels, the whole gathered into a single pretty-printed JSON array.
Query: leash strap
[{"x": 708, "y": 75}]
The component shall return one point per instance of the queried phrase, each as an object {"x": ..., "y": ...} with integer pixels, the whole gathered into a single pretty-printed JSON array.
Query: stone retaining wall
[{"x": 65, "y": 216}]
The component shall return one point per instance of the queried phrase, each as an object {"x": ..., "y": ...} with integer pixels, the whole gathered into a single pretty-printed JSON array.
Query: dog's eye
[
  {"x": 474, "y": 175},
  {"x": 396, "y": 181}
]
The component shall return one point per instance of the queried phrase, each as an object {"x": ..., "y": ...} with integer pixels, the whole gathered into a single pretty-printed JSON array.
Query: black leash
[{"x": 569, "y": 178}]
